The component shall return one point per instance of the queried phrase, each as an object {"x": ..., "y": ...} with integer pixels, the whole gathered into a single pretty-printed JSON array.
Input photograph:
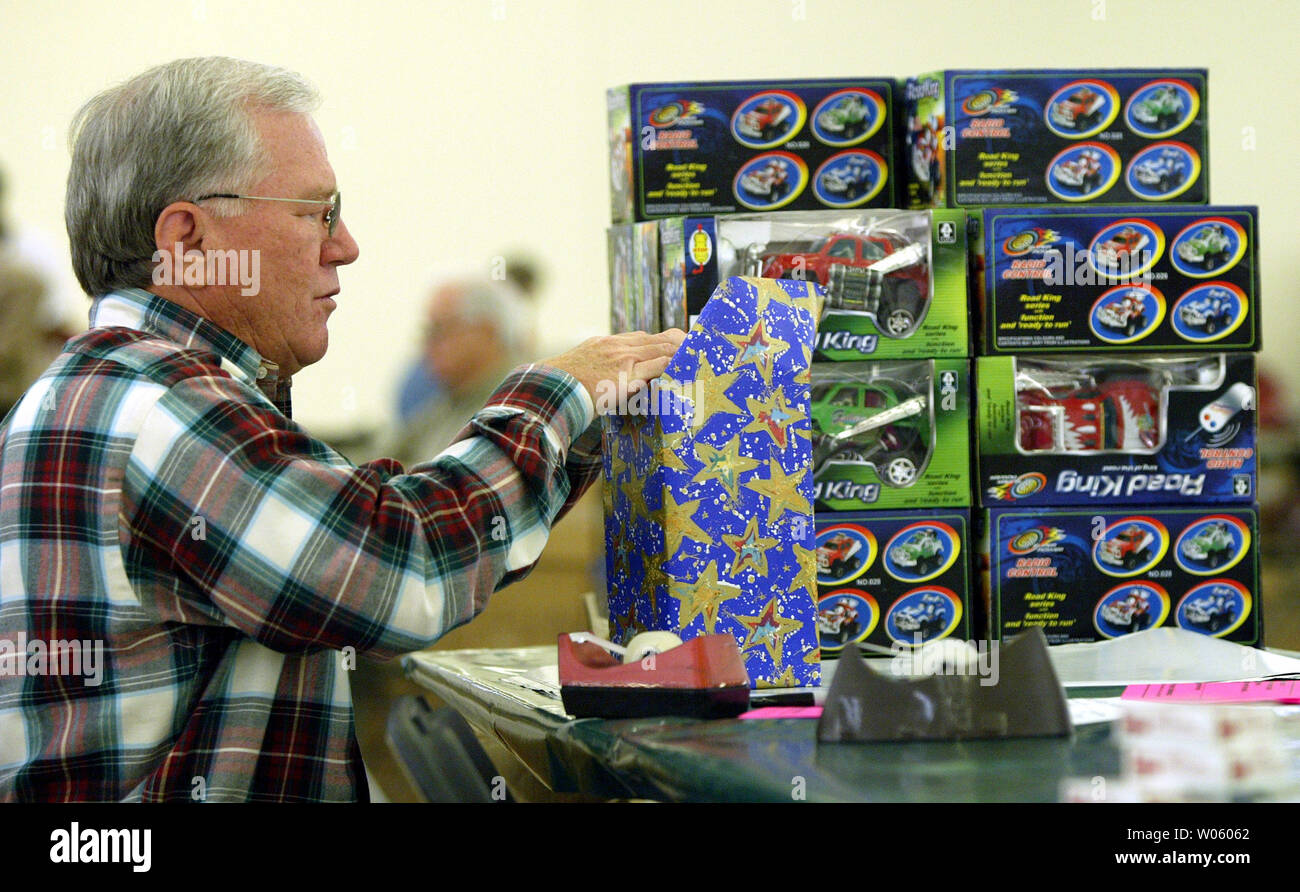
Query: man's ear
[{"x": 183, "y": 222}]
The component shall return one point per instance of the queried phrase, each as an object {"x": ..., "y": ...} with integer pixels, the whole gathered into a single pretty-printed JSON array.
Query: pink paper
[
  {"x": 783, "y": 712},
  {"x": 1287, "y": 691}
]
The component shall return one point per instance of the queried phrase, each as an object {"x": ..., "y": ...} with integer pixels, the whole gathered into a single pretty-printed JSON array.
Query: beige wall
[{"x": 462, "y": 129}]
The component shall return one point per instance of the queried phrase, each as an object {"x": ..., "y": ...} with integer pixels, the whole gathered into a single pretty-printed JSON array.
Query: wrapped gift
[{"x": 708, "y": 486}]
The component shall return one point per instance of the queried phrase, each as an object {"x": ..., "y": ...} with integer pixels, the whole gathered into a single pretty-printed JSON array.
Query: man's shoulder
[{"x": 147, "y": 354}]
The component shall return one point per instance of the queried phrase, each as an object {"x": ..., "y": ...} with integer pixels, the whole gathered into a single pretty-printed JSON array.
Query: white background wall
[{"x": 460, "y": 130}]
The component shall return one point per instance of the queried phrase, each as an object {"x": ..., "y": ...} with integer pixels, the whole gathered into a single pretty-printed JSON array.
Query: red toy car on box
[
  {"x": 765, "y": 121},
  {"x": 1122, "y": 249},
  {"x": 1128, "y": 549},
  {"x": 1073, "y": 413},
  {"x": 880, "y": 274},
  {"x": 1079, "y": 110}
]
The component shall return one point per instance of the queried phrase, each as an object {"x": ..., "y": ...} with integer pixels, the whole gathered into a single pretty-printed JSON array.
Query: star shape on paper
[
  {"x": 679, "y": 523},
  {"x": 750, "y": 548},
  {"x": 724, "y": 465},
  {"x": 782, "y": 491},
  {"x": 628, "y": 623},
  {"x": 769, "y": 629},
  {"x": 784, "y": 680},
  {"x": 806, "y": 578},
  {"x": 652, "y": 576},
  {"x": 633, "y": 489},
  {"x": 703, "y": 597},
  {"x": 622, "y": 552},
  {"x": 759, "y": 349},
  {"x": 668, "y": 455},
  {"x": 708, "y": 393},
  {"x": 773, "y": 416}
]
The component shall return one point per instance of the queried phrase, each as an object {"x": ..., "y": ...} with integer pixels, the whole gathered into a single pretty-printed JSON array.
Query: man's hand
[{"x": 621, "y": 363}]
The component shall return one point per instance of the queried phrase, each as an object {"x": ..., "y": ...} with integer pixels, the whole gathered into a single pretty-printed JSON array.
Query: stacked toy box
[
  {"x": 1055, "y": 223},
  {"x": 1116, "y": 377}
]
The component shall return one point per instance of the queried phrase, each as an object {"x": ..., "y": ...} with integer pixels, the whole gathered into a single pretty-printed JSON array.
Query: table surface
[{"x": 732, "y": 760}]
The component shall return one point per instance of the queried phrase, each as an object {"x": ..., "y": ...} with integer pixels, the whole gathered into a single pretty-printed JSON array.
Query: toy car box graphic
[
  {"x": 708, "y": 486},
  {"x": 895, "y": 281},
  {"x": 893, "y": 578},
  {"x": 1089, "y": 575},
  {"x": 891, "y": 434},
  {"x": 634, "y": 277},
  {"x": 1119, "y": 280},
  {"x": 1104, "y": 136},
  {"x": 1149, "y": 429},
  {"x": 728, "y": 146}
]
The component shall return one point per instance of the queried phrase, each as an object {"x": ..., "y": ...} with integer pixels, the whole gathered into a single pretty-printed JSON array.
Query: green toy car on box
[
  {"x": 920, "y": 553},
  {"x": 1161, "y": 109},
  {"x": 1207, "y": 246},
  {"x": 890, "y": 434},
  {"x": 1211, "y": 546},
  {"x": 882, "y": 423}
]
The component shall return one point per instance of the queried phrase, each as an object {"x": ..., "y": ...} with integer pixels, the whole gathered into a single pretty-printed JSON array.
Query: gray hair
[
  {"x": 173, "y": 133},
  {"x": 501, "y": 303}
]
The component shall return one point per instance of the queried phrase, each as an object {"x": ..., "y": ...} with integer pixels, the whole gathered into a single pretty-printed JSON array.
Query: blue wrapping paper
[{"x": 708, "y": 486}]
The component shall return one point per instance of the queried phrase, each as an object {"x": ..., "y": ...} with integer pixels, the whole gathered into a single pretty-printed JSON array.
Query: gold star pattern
[
  {"x": 782, "y": 491},
  {"x": 634, "y": 491},
  {"x": 652, "y": 576},
  {"x": 806, "y": 578},
  {"x": 758, "y": 348},
  {"x": 769, "y": 629},
  {"x": 711, "y": 390},
  {"x": 679, "y": 523},
  {"x": 629, "y": 624},
  {"x": 667, "y": 453},
  {"x": 622, "y": 551},
  {"x": 750, "y": 548},
  {"x": 724, "y": 465},
  {"x": 773, "y": 416},
  {"x": 784, "y": 680},
  {"x": 703, "y": 597}
]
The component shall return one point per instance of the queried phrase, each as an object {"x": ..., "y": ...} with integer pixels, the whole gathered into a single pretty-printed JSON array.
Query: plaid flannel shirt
[{"x": 155, "y": 502}]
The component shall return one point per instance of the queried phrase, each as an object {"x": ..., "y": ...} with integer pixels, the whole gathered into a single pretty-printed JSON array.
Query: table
[{"x": 690, "y": 760}]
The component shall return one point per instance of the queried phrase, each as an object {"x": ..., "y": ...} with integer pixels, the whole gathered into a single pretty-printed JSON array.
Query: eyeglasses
[{"x": 335, "y": 203}]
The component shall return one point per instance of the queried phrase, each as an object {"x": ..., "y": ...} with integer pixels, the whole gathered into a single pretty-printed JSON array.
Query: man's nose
[{"x": 341, "y": 248}]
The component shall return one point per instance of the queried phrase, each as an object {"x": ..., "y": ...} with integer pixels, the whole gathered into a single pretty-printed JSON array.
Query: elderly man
[{"x": 186, "y": 575}]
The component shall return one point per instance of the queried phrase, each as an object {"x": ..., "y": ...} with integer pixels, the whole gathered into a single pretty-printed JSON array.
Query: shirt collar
[{"x": 140, "y": 310}]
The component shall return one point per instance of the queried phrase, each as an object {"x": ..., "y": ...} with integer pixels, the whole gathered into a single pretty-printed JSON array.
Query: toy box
[
  {"x": 1089, "y": 574},
  {"x": 634, "y": 277},
  {"x": 1119, "y": 279},
  {"x": 891, "y": 434},
  {"x": 708, "y": 487},
  {"x": 721, "y": 147},
  {"x": 895, "y": 280},
  {"x": 1151, "y": 429},
  {"x": 1106, "y": 136},
  {"x": 892, "y": 578}
]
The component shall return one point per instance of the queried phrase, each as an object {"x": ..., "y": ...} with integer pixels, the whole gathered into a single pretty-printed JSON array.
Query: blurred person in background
[
  {"x": 423, "y": 383},
  {"x": 476, "y": 331},
  {"x": 29, "y": 340}
]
